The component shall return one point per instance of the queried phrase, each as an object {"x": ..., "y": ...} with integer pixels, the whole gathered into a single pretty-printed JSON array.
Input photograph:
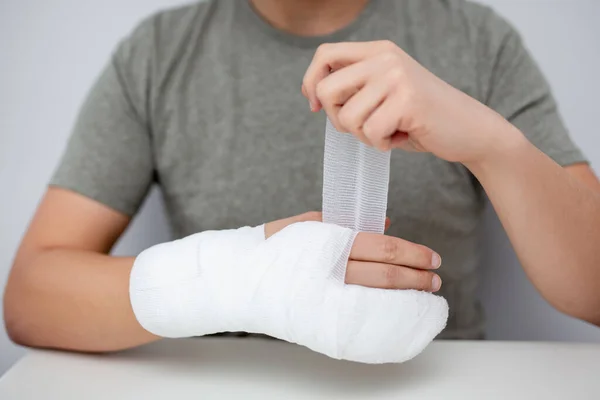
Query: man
[{"x": 206, "y": 100}]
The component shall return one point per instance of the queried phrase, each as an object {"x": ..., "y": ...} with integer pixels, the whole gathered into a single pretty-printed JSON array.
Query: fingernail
[
  {"x": 436, "y": 261},
  {"x": 311, "y": 106},
  {"x": 436, "y": 283}
]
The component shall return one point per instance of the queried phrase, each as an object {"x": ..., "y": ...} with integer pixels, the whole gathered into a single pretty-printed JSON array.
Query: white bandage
[
  {"x": 285, "y": 287},
  {"x": 355, "y": 183},
  {"x": 290, "y": 286}
]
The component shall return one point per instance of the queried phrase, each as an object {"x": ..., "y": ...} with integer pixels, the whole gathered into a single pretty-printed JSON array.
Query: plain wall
[{"x": 51, "y": 51}]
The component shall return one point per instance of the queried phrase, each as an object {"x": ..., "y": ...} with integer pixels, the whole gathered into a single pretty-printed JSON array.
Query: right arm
[{"x": 64, "y": 291}]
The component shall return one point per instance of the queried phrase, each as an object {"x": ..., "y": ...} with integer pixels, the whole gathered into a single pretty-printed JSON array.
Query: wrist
[
  {"x": 188, "y": 287},
  {"x": 508, "y": 145}
]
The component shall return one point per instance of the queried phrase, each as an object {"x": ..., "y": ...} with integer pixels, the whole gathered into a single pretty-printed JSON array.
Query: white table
[{"x": 216, "y": 368}]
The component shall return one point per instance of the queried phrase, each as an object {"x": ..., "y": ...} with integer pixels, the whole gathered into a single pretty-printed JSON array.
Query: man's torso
[{"x": 235, "y": 143}]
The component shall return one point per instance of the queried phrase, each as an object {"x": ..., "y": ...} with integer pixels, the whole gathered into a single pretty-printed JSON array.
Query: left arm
[
  {"x": 552, "y": 217},
  {"x": 385, "y": 98}
]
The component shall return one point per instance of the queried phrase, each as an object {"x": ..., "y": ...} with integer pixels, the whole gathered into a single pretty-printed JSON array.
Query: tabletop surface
[{"x": 218, "y": 368}]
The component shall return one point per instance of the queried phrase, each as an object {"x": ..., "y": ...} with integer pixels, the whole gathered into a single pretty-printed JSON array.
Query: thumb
[{"x": 272, "y": 228}]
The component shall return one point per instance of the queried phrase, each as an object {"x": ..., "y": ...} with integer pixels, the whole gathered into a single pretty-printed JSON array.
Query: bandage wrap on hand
[
  {"x": 285, "y": 287},
  {"x": 290, "y": 286}
]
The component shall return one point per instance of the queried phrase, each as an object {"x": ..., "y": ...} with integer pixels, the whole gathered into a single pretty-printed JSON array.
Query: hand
[
  {"x": 386, "y": 99},
  {"x": 381, "y": 261}
]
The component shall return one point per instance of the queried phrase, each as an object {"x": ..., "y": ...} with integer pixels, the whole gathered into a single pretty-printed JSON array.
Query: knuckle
[
  {"x": 322, "y": 91},
  {"x": 389, "y": 250},
  {"x": 370, "y": 131},
  {"x": 306, "y": 83},
  {"x": 374, "y": 134},
  {"x": 409, "y": 95},
  {"x": 388, "y": 57},
  {"x": 395, "y": 75},
  {"x": 387, "y": 44},
  {"x": 391, "y": 277},
  {"x": 322, "y": 49},
  {"x": 348, "y": 120}
]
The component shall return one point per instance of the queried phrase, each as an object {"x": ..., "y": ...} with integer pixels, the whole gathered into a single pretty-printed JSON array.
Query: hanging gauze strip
[
  {"x": 355, "y": 183},
  {"x": 379, "y": 325}
]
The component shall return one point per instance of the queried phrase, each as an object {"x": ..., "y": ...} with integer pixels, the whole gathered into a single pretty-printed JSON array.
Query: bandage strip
[{"x": 355, "y": 183}]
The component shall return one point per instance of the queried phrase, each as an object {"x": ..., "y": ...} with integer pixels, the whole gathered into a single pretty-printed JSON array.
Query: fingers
[
  {"x": 357, "y": 109},
  {"x": 372, "y": 247},
  {"x": 365, "y": 98},
  {"x": 336, "y": 89},
  {"x": 332, "y": 57},
  {"x": 383, "y": 123},
  {"x": 272, "y": 228},
  {"x": 386, "y": 276},
  {"x": 380, "y": 261}
]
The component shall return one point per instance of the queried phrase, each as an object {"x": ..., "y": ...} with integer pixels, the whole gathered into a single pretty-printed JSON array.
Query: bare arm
[
  {"x": 552, "y": 217},
  {"x": 64, "y": 291}
]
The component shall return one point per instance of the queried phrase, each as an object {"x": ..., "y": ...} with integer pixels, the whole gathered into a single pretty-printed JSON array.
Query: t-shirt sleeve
[
  {"x": 515, "y": 87},
  {"x": 108, "y": 157}
]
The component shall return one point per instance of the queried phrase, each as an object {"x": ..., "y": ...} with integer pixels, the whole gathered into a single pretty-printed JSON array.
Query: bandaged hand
[{"x": 299, "y": 280}]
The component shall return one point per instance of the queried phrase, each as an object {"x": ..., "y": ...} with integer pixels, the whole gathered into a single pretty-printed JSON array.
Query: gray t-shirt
[{"x": 205, "y": 101}]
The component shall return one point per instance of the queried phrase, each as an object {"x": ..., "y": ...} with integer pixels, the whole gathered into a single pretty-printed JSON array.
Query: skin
[
  {"x": 551, "y": 214},
  {"x": 309, "y": 17},
  {"x": 66, "y": 292}
]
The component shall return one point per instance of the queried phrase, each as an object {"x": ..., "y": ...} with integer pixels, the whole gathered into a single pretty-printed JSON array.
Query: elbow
[
  {"x": 13, "y": 325},
  {"x": 584, "y": 308},
  {"x": 577, "y": 294},
  {"x": 595, "y": 321},
  {"x": 15, "y": 334},
  {"x": 591, "y": 316},
  {"x": 15, "y": 321}
]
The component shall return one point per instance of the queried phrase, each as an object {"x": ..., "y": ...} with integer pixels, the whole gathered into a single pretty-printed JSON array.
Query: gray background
[{"x": 52, "y": 50}]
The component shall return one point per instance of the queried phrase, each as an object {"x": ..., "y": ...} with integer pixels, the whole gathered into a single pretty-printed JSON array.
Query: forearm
[
  {"x": 553, "y": 222},
  {"x": 72, "y": 300}
]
